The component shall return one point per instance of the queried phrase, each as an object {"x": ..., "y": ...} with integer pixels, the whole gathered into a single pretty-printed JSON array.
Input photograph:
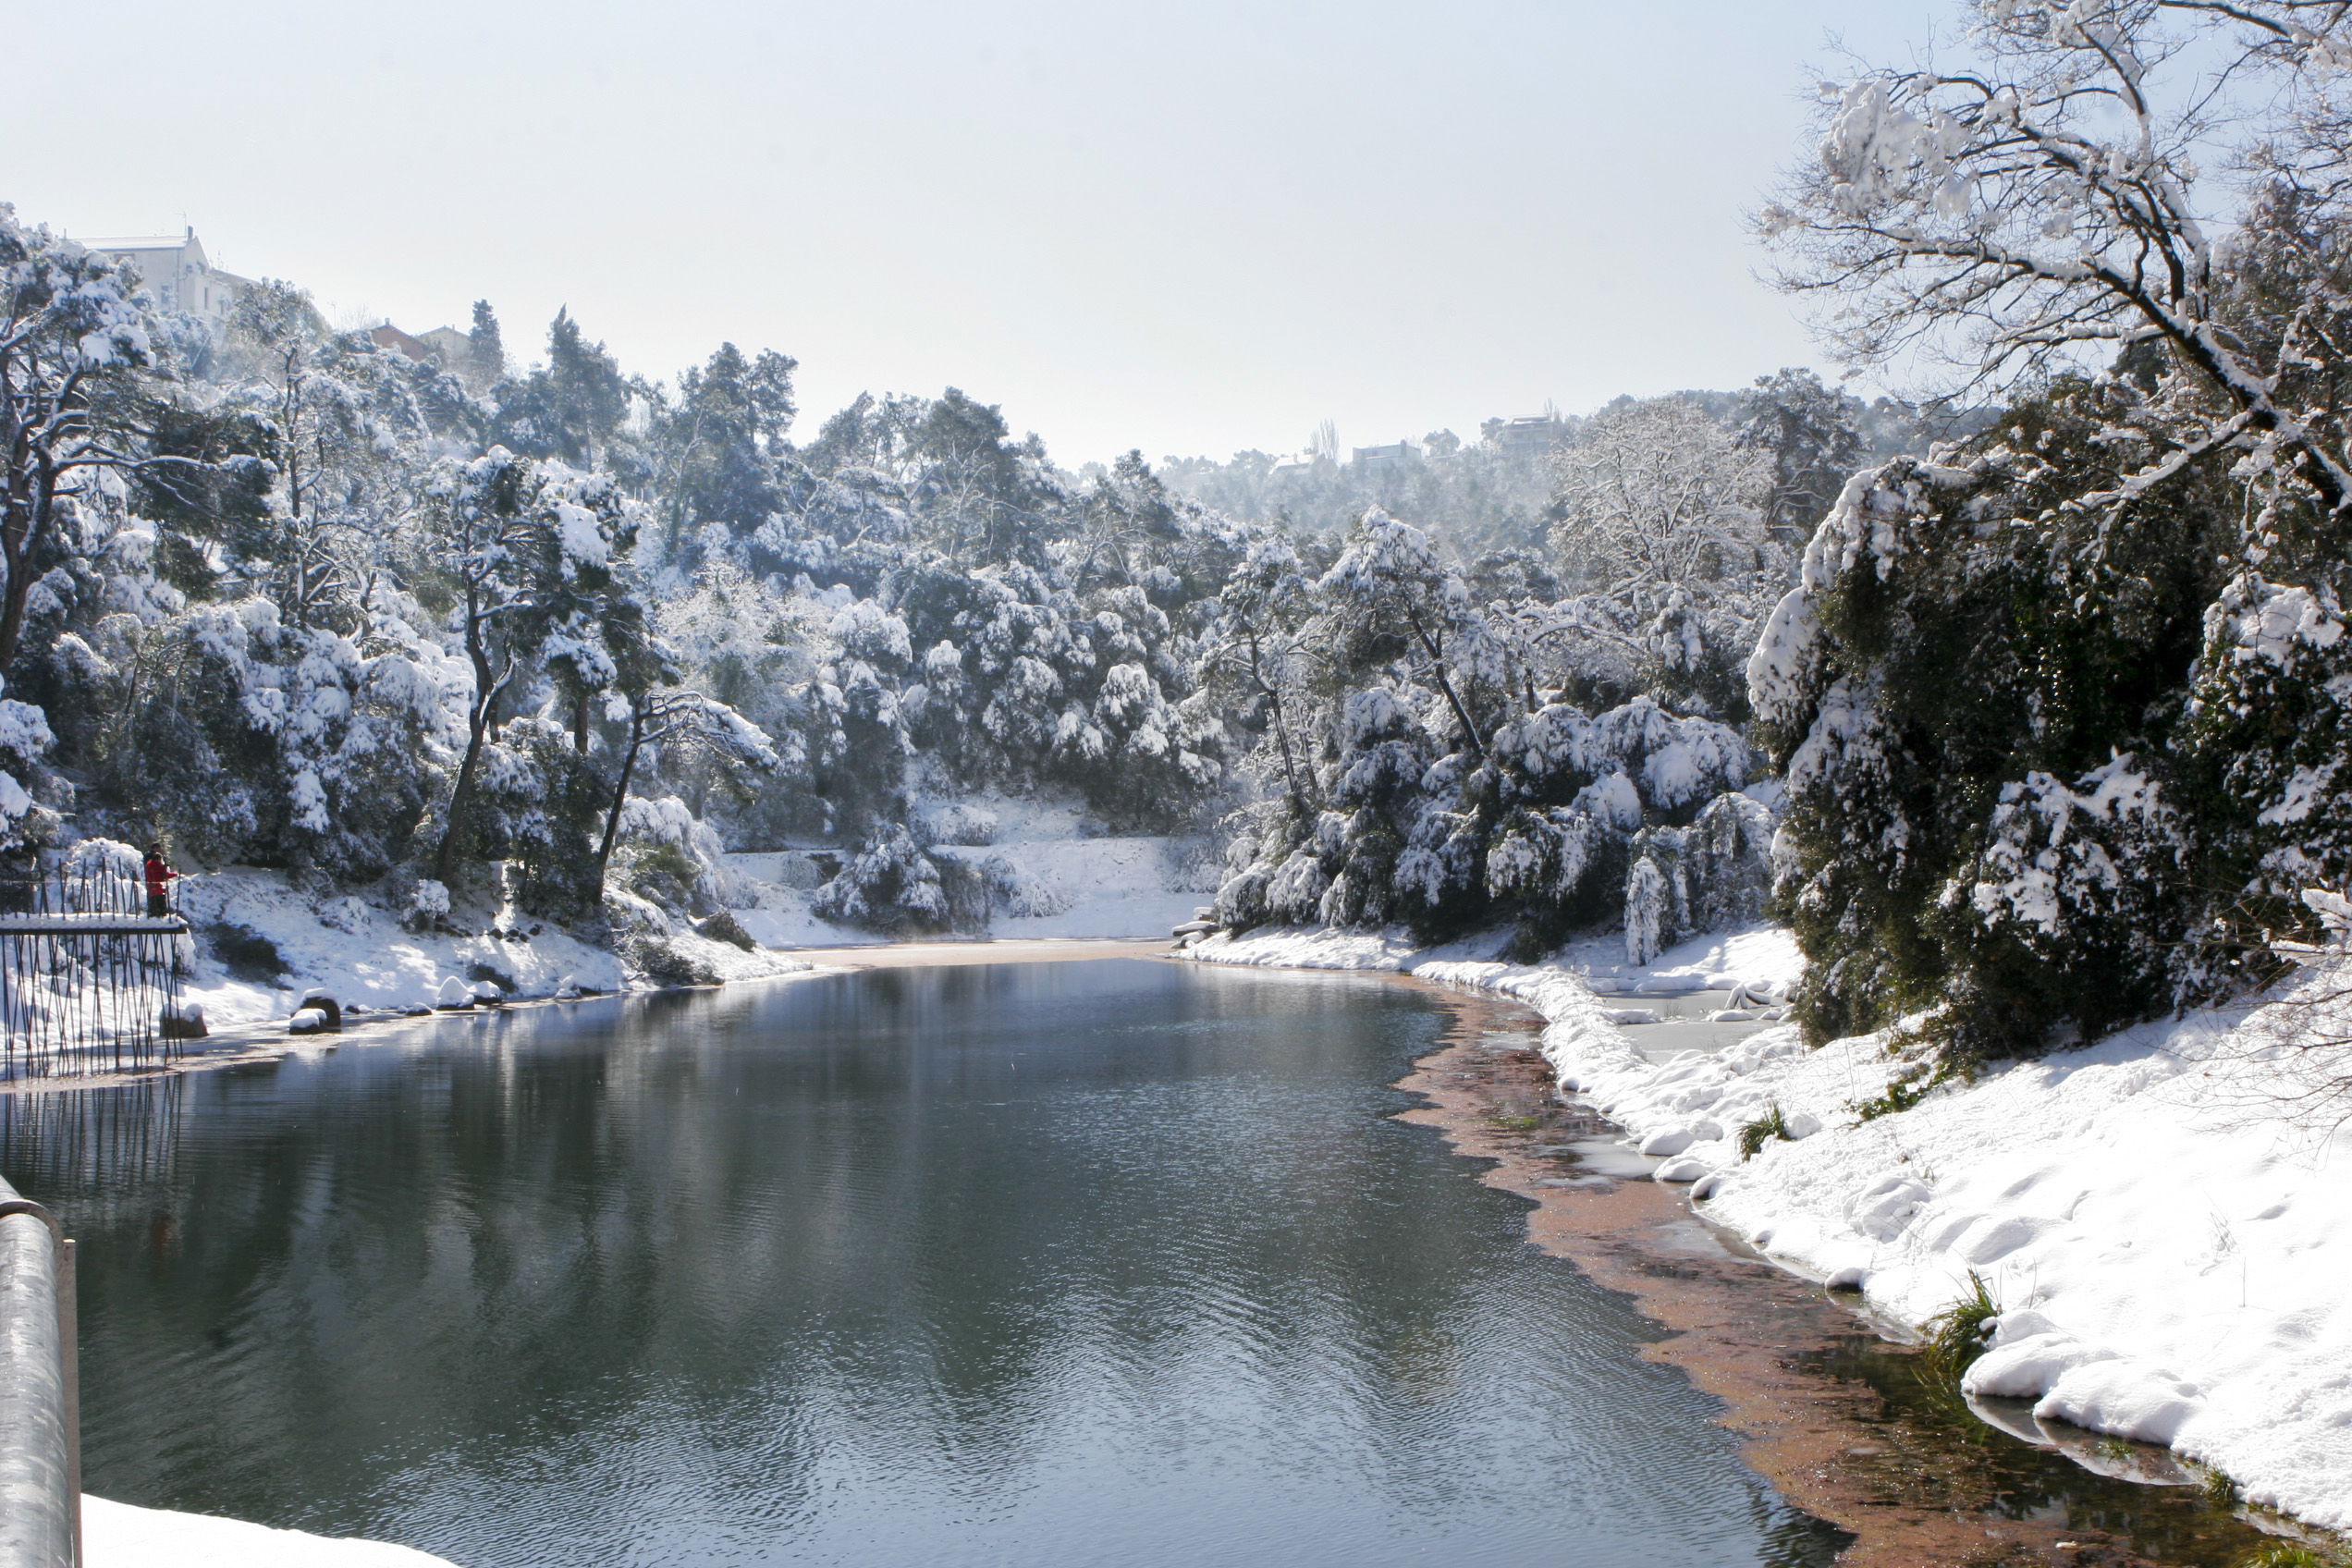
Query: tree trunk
[
  {"x": 619, "y": 796},
  {"x": 486, "y": 701},
  {"x": 1436, "y": 668},
  {"x": 461, "y": 796},
  {"x": 1282, "y": 729}
]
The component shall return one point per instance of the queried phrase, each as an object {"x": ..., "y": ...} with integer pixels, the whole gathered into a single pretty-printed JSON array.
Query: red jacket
[{"x": 159, "y": 876}]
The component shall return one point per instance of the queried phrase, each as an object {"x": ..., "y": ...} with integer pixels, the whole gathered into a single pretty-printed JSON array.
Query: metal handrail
[{"x": 40, "y": 1390}]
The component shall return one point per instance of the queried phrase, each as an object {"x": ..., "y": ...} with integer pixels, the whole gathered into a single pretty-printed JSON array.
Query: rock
[
  {"x": 453, "y": 995},
  {"x": 567, "y": 988},
  {"x": 1686, "y": 1169},
  {"x": 316, "y": 1000},
  {"x": 1853, "y": 1277},
  {"x": 307, "y": 1021},
  {"x": 1802, "y": 1124},
  {"x": 1667, "y": 1142},
  {"x": 182, "y": 1021},
  {"x": 488, "y": 993},
  {"x": 1622, "y": 1015}
]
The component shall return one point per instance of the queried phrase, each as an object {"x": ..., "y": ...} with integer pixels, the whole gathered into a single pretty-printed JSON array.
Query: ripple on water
[{"x": 1111, "y": 1263}]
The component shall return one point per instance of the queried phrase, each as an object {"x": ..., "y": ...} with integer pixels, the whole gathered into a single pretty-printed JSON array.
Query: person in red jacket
[{"x": 160, "y": 877}]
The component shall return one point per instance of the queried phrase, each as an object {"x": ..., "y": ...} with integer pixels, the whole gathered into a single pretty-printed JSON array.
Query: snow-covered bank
[
  {"x": 2171, "y": 1251},
  {"x": 116, "y": 1535},
  {"x": 1052, "y": 879},
  {"x": 262, "y": 943}
]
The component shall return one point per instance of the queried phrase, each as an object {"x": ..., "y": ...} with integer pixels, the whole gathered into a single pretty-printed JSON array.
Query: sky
[{"x": 1191, "y": 228}]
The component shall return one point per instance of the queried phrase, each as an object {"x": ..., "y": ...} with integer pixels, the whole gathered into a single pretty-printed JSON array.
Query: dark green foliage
[
  {"x": 724, "y": 927},
  {"x": 245, "y": 953},
  {"x": 547, "y": 827},
  {"x": 1897, "y": 1097},
  {"x": 571, "y": 407},
  {"x": 665, "y": 874},
  {"x": 486, "y": 364},
  {"x": 1996, "y": 802},
  {"x": 1961, "y": 1332},
  {"x": 660, "y": 962},
  {"x": 1752, "y": 1136},
  {"x": 716, "y": 443}
]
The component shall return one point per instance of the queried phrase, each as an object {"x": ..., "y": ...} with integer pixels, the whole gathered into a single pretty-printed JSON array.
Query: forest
[{"x": 2024, "y": 702}]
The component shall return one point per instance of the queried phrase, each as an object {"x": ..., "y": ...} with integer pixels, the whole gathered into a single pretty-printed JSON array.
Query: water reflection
[{"x": 1106, "y": 1262}]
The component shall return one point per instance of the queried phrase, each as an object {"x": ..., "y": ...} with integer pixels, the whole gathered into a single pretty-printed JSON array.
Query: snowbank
[
  {"x": 2171, "y": 1253},
  {"x": 1060, "y": 882},
  {"x": 116, "y": 1535},
  {"x": 361, "y": 954}
]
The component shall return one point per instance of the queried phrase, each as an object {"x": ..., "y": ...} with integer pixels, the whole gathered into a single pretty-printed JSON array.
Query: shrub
[
  {"x": 724, "y": 927},
  {"x": 1899, "y": 1095},
  {"x": 245, "y": 953},
  {"x": 662, "y": 963}
]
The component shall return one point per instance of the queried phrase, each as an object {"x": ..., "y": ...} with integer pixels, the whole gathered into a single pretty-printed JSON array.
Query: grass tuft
[
  {"x": 2287, "y": 1554},
  {"x": 1957, "y": 1335},
  {"x": 2218, "y": 1490},
  {"x": 1753, "y": 1134}
]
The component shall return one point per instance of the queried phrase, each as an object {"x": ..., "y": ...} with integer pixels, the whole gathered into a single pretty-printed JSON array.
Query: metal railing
[{"x": 40, "y": 1391}]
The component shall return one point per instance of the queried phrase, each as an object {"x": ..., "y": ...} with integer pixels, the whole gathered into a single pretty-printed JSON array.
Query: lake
[{"x": 1117, "y": 1262}]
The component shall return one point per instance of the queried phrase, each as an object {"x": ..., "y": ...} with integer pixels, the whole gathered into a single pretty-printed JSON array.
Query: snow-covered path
[{"x": 2171, "y": 1251}]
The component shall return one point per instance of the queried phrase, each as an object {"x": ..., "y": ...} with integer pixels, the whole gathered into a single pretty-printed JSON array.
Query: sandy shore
[{"x": 936, "y": 955}]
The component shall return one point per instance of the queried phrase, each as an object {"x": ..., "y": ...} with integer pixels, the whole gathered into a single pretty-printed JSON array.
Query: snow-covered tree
[
  {"x": 72, "y": 341},
  {"x": 1813, "y": 436},
  {"x": 1663, "y": 538},
  {"x": 529, "y": 553},
  {"x": 2056, "y": 192},
  {"x": 1390, "y": 587}
]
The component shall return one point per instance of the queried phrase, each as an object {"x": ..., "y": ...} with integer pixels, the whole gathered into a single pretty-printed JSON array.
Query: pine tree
[{"x": 486, "y": 364}]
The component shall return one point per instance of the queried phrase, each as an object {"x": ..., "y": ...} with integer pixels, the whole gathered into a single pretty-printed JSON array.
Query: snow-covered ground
[
  {"x": 359, "y": 953},
  {"x": 116, "y": 1535},
  {"x": 1064, "y": 882},
  {"x": 2165, "y": 1225}
]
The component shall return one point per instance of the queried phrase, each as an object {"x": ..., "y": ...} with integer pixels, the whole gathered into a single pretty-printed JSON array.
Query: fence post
[{"x": 40, "y": 1435}]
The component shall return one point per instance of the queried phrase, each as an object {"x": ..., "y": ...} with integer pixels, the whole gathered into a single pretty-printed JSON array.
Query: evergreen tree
[
  {"x": 486, "y": 364},
  {"x": 571, "y": 407}
]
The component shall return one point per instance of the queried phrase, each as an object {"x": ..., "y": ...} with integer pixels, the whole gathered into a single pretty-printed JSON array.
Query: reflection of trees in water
[
  {"x": 76, "y": 1139},
  {"x": 953, "y": 1220}
]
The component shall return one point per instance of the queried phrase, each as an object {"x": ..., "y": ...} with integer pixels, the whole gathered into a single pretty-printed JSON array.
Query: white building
[
  {"x": 177, "y": 272},
  {"x": 1535, "y": 433}
]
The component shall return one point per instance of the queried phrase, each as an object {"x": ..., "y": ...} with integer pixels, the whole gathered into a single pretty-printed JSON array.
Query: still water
[{"x": 1113, "y": 1263}]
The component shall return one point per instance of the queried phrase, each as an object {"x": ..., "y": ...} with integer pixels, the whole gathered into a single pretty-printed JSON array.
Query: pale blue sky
[{"x": 1192, "y": 227}]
